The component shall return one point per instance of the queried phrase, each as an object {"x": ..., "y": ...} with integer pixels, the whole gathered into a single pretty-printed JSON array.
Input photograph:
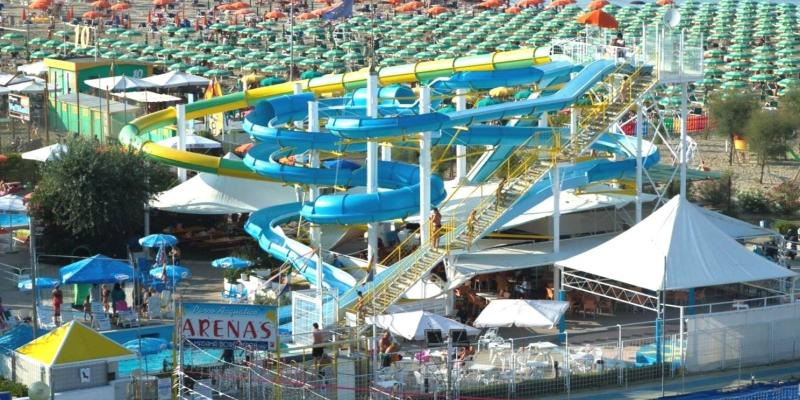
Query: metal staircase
[{"x": 519, "y": 179}]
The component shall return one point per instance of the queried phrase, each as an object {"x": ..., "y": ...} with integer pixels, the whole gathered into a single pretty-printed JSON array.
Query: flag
[{"x": 339, "y": 10}]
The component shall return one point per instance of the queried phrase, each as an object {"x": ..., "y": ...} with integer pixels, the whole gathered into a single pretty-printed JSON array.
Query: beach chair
[
  {"x": 154, "y": 307},
  {"x": 128, "y": 319}
]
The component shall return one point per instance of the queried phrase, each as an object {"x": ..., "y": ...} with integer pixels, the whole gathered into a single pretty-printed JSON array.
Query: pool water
[{"x": 154, "y": 363}]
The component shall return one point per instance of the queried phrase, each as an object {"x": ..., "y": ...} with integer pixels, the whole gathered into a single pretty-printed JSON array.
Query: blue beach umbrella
[
  {"x": 41, "y": 283},
  {"x": 96, "y": 269},
  {"x": 146, "y": 346},
  {"x": 231, "y": 263},
  {"x": 158, "y": 240},
  {"x": 174, "y": 272}
]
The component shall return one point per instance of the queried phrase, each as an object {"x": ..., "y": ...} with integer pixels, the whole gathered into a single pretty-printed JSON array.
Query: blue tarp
[{"x": 96, "y": 269}]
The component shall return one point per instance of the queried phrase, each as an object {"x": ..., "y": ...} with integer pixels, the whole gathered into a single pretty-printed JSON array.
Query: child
[{"x": 87, "y": 308}]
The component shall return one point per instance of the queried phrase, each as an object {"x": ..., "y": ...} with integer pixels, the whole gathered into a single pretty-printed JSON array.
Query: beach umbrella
[
  {"x": 708, "y": 82},
  {"x": 217, "y": 73},
  {"x": 788, "y": 71},
  {"x": 13, "y": 36},
  {"x": 231, "y": 263},
  {"x": 274, "y": 68},
  {"x": 269, "y": 81},
  {"x": 310, "y": 74},
  {"x": 789, "y": 82},
  {"x": 146, "y": 346},
  {"x": 762, "y": 78},
  {"x": 735, "y": 75},
  {"x": 178, "y": 67},
  {"x": 158, "y": 240},
  {"x": 173, "y": 272},
  {"x": 789, "y": 62},
  {"x": 42, "y": 282},
  {"x": 120, "y": 6},
  {"x": 739, "y": 64},
  {"x": 147, "y": 59},
  {"x": 96, "y": 269},
  {"x": 92, "y": 15},
  {"x": 734, "y": 85},
  {"x": 761, "y": 67},
  {"x": 233, "y": 64}
]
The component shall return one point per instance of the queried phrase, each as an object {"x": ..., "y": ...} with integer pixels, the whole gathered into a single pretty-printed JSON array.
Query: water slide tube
[{"x": 138, "y": 132}]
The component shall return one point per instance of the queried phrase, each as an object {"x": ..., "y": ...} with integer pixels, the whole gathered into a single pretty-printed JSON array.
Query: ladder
[{"x": 525, "y": 174}]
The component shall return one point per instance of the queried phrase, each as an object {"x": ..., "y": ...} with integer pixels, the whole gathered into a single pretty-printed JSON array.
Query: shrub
[
  {"x": 782, "y": 226},
  {"x": 716, "y": 193},
  {"x": 16, "y": 389},
  {"x": 785, "y": 198},
  {"x": 752, "y": 201}
]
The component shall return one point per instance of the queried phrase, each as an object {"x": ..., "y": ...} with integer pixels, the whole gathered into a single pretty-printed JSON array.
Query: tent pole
[
  {"x": 684, "y": 154},
  {"x": 561, "y": 295},
  {"x": 639, "y": 161},
  {"x": 180, "y": 112},
  {"x": 372, "y": 165},
  {"x": 461, "y": 151}
]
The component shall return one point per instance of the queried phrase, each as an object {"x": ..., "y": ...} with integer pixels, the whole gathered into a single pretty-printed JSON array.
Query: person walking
[
  {"x": 472, "y": 220},
  {"x": 436, "y": 228},
  {"x": 58, "y": 299},
  {"x": 318, "y": 351}
]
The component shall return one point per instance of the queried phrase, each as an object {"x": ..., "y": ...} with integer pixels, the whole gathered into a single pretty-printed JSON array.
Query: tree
[
  {"x": 769, "y": 133},
  {"x": 729, "y": 112},
  {"x": 93, "y": 196},
  {"x": 789, "y": 106}
]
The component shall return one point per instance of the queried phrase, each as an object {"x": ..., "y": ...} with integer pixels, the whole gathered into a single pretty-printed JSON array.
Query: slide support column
[
  {"x": 372, "y": 166},
  {"x": 424, "y": 169},
  {"x": 461, "y": 150},
  {"x": 684, "y": 155},
  {"x": 639, "y": 161},
  {"x": 180, "y": 123}
]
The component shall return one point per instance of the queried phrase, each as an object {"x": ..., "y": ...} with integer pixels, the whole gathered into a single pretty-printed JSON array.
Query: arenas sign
[{"x": 229, "y": 325}]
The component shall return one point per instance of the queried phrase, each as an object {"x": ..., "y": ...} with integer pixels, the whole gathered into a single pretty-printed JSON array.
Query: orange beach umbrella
[{"x": 598, "y": 18}]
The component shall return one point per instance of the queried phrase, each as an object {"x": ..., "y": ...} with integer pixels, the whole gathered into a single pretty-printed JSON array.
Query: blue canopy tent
[
  {"x": 42, "y": 282},
  {"x": 96, "y": 269},
  {"x": 158, "y": 240},
  {"x": 174, "y": 272}
]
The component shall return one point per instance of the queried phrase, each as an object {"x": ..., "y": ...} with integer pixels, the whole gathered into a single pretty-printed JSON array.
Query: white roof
[
  {"x": 736, "y": 228},
  {"x": 572, "y": 202},
  {"x": 177, "y": 79},
  {"x": 46, "y": 153},
  {"x": 192, "y": 142},
  {"x": 12, "y": 79},
  {"x": 213, "y": 194},
  {"x": 521, "y": 313},
  {"x": 34, "y": 68},
  {"x": 676, "y": 247},
  {"x": 146, "y": 96},
  {"x": 412, "y": 325},
  {"x": 508, "y": 258},
  {"x": 119, "y": 83},
  {"x": 26, "y": 87}
]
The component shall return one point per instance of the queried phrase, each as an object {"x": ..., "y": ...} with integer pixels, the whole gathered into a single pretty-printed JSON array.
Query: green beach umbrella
[
  {"x": 761, "y": 78},
  {"x": 789, "y": 82},
  {"x": 788, "y": 71},
  {"x": 274, "y": 68},
  {"x": 735, "y": 75},
  {"x": 197, "y": 70},
  {"x": 234, "y": 64},
  {"x": 789, "y": 62},
  {"x": 130, "y": 33},
  {"x": 736, "y": 85},
  {"x": 178, "y": 67},
  {"x": 13, "y": 36},
  {"x": 253, "y": 66}
]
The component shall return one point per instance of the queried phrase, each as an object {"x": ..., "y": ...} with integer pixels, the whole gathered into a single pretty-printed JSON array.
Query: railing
[{"x": 13, "y": 273}]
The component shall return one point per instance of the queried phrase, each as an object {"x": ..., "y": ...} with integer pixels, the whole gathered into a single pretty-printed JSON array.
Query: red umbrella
[
  {"x": 120, "y": 7},
  {"x": 560, "y": 3},
  {"x": 101, "y": 4},
  {"x": 598, "y": 4},
  {"x": 306, "y": 15},
  {"x": 92, "y": 15},
  {"x": 40, "y": 5},
  {"x": 513, "y": 10},
  {"x": 239, "y": 5},
  {"x": 530, "y": 3},
  {"x": 436, "y": 10},
  {"x": 664, "y": 2},
  {"x": 244, "y": 11},
  {"x": 162, "y": 3},
  {"x": 394, "y": 2},
  {"x": 598, "y": 18},
  {"x": 275, "y": 15}
]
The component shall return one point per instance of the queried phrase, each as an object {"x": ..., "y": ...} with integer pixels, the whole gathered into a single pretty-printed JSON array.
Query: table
[
  {"x": 542, "y": 346},
  {"x": 482, "y": 367}
]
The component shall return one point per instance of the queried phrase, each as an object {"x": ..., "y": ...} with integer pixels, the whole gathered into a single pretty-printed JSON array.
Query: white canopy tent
[
  {"x": 146, "y": 96},
  {"x": 412, "y": 325},
  {"x": 214, "y": 194},
  {"x": 34, "y": 68},
  {"x": 119, "y": 83},
  {"x": 175, "y": 79},
  {"x": 47, "y": 153},
  {"x": 192, "y": 142},
  {"x": 676, "y": 247},
  {"x": 521, "y": 313},
  {"x": 508, "y": 258}
]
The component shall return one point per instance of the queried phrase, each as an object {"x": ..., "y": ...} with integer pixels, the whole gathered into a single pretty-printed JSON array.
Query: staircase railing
[{"x": 524, "y": 173}]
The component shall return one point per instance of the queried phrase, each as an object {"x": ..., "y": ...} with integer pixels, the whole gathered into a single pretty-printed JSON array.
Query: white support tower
[
  {"x": 180, "y": 123},
  {"x": 372, "y": 165},
  {"x": 424, "y": 168},
  {"x": 461, "y": 150}
]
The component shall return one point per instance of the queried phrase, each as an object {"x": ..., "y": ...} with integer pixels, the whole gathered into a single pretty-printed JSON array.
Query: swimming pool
[{"x": 154, "y": 363}]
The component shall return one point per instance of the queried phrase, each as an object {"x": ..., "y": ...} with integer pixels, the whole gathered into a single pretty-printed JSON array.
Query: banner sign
[
  {"x": 19, "y": 107},
  {"x": 227, "y": 326}
]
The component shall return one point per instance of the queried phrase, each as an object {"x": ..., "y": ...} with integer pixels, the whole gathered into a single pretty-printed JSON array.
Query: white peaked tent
[
  {"x": 521, "y": 313},
  {"x": 192, "y": 142},
  {"x": 412, "y": 325},
  {"x": 679, "y": 241},
  {"x": 119, "y": 83},
  {"x": 175, "y": 79},
  {"x": 213, "y": 194},
  {"x": 47, "y": 153}
]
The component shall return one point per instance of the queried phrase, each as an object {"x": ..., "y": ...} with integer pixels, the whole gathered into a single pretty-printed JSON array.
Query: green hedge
[{"x": 16, "y": 389}]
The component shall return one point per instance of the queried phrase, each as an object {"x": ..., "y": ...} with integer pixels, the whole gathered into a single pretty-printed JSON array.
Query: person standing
[
  {"x": 58, "y": 299},
  {"x": 117, "y": 297},
  {"x": 318, "y": 351},
  {"x": 105, "y": 295},
  {"x": 436, "y": 228}
]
